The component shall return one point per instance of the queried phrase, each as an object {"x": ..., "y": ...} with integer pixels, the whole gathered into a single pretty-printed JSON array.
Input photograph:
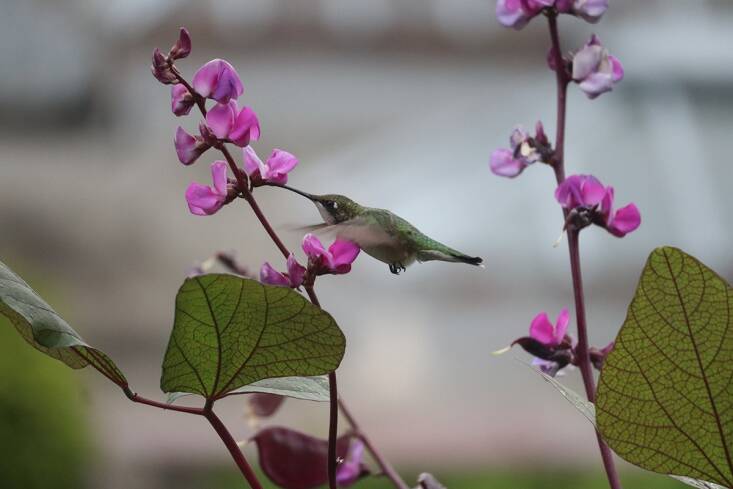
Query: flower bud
[
  {"x": 188, "y": 147},
  {"x": 161, "y": 69},
  {"x": 181, "y": 100},
  {"x": 182, "y": 47}
]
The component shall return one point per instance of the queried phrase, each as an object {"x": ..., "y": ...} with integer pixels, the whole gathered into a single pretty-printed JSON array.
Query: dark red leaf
[
  {"x": 294, "y": 460},
  {"x": 263, "y": 404}
]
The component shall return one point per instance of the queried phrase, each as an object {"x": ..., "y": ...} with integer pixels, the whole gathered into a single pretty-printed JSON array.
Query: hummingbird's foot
[{"x": 396, "y": 268}]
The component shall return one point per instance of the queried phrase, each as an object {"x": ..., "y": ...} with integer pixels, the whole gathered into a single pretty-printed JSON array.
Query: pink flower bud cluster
[{"x": 224, "y": 122}]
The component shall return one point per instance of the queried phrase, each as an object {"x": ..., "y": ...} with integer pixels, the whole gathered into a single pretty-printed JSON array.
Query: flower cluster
[
  {"x": 517, "y": 13},
  {"x": 224, "y": 122},
  {"x": 336, "y": 260},
  {"x": 524, "y": 151},
  {"x": 590, "y": 202}
]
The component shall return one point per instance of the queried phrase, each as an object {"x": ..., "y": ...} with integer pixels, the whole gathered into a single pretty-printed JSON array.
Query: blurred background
[{"x": 398, "y": 104}]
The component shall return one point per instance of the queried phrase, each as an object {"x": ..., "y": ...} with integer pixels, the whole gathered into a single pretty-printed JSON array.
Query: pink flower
[
  {"x": 525, "y": 150},
  {"x": 181, "y": 100},
  {"x": 276, "y": 170},
  {"x": 182, "y": 47},
  {"x": 337, "y": 259},
  {"x": 227, "y": 122},
  {"x": 545, "y": 332},
  {"x": 204, "y": 200},
  {"x": 517, "y": 13},
  {"x": 188, "y": 148},
  {"x": 592, "y": 203},
  {"x": 218, "y": 80},
  {"x": 294, "y": 277},
  {"x": 595, "y": 70},
  {"x": 580, "y": 191},
  {"x": 352, "y": 468}
]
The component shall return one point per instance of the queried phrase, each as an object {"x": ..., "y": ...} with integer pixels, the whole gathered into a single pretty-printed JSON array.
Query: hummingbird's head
[{"x": 334, "y": 208}]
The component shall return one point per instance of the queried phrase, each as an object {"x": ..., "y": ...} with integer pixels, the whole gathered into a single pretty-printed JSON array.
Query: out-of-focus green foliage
[{"x": 43, "y": 438}]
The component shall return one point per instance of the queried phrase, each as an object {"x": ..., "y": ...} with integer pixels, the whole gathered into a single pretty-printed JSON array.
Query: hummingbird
[{"x": 380, "y": 233}]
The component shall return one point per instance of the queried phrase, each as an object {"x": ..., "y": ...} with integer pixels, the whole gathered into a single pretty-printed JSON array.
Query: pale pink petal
[
  {"x": 586, "y": 61},
  {"x": 202, "y": 200},
  {"x": 313, "y": 247},
  {"x": 220, "y": 119},
  {"x": 617, "y": 70},
  {"x": 219, "y": 177},
  {"x": 561, "y": 325},
  {"x": 625, "y": 220},
  {"x": 541, "y": 329},
  {"x": 252, "y": 162},
  {"x": 270, "y": 276},
  {"x": 503, "y": 163},
  {"x": 510, "y": 14},
  {"x": 296, "y": 271}
]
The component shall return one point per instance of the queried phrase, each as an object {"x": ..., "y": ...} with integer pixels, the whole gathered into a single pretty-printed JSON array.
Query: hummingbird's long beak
[{"x": 299, "y": 192}]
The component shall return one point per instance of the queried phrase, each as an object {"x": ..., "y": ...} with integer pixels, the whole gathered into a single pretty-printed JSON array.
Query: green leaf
[
  {"x": 665, "y": 398},
  {"x": 43, "y": 328},
  {"x": 231, "y": 331},
  {"x": 588, "y": 410},
  {"x": 307, "y": 388}
]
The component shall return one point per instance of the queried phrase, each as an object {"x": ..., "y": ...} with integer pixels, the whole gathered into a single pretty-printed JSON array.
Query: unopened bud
[
  {"x": 182, "y": 47},
  {"x": 161, "y": 69}
]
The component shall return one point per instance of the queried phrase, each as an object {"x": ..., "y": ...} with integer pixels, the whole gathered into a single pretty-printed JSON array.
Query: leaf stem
[
  {"x": 134, "y": 397},
  {"x": 233, "y": 448},
  {"x": 384, "y": 465},
  {"x": 582, "y": 354}
]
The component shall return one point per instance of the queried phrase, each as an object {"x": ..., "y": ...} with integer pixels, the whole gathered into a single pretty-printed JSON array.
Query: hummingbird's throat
[{"x": 327, "y": 217}]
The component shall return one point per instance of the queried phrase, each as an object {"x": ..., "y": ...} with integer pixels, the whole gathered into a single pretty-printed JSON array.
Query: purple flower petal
[
  {"x": 246, "y": 127},
  {"x": 218, "y": 80},
  {"x": 590, "y": 10},
  {"x": 510, "y": 14},
  {"x": 592, "y": 191},
  {"x": 625, "y": 220},
  {"x": 270, "y": 276},
  {"x": 542, "y": 330},
  {"x": 502, "y": 163},
  {"x": 352, "y": 468},
  {"x": 296, "y": 272},
  {"x": 343, "y": 252},
  {"x": 220, "y": 119},
  {"x": 617, "y": 70},
  {"x": 278, "y": 165},
  {"x": 313, "y": 247},
  {"x": 561, "y": 325},
  {"x": 252, "y": 162},
  {"x": 188, "y": 148},
  {"x": 219, "y": 177},
  {"x": 202, "y": 200},
  {"x": 181, "y": 100}
]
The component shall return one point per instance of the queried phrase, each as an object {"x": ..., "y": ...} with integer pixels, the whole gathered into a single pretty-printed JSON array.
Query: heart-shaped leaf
[
  {"x": 665, "y": 397},
  {"x": 43, "y": 328},
  {"x": 231, "y": 331},
  {"x": 306, "y": 388}
]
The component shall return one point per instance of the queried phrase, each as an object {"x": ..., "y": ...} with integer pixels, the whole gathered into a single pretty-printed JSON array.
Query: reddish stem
[
  {"x": 161, "y": 405},
  {"x": 233, "y": 448},
  {"x": 384, "y": 465},
  {"x": 582, "y": 355}
]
